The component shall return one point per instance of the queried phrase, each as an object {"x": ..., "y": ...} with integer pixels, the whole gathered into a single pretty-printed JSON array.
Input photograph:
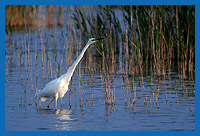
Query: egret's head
[{"x": 93, "y": 40}]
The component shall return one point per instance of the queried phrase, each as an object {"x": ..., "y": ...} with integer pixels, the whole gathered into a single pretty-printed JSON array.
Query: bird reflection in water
[
  {"x": 66, "y": 117},
  {"x": 64, "y": 114}
]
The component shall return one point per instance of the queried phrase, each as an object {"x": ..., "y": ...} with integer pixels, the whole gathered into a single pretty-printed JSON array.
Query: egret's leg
[
  {"x": 51, "y": 102},
  {"x": 61, "y": 102},
  {"x": 56, "y": 98},
  {"x": 40, "y": 105},
  {"x": 55, "y": 104}
]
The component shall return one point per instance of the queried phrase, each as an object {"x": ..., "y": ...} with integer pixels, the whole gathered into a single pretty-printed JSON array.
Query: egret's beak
[{"x": 97, "y": 39}]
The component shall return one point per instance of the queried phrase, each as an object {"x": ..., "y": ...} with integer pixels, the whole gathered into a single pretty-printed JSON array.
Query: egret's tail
[
  {"x": 38, "y": 97},
  {"x": 37, "y": 94}
]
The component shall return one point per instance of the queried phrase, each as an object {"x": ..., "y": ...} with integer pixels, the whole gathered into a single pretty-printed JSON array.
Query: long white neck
[{"x": 71, "y": 69}]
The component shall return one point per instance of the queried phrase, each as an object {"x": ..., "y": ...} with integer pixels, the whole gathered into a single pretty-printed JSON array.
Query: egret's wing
[{"x": 51, "y": 88}]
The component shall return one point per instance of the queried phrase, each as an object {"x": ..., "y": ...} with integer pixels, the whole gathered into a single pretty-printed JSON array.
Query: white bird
[{"x": 58, "y": 87}]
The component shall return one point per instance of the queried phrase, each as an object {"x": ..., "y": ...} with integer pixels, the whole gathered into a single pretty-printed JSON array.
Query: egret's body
[{"x": 57, "y": 88}]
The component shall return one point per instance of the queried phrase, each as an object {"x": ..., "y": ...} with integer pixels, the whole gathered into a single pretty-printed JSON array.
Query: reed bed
[{"x": 139, "y": 41}]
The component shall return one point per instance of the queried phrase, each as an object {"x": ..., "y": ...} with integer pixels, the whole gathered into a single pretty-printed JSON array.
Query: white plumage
[{"x": 58, "y": 87}]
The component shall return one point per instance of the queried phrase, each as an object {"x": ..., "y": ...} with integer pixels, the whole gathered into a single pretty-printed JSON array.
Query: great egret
[{"x": 59, "y": 86}]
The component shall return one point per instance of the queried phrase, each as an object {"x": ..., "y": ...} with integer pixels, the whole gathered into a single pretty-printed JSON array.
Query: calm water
[{"x": 165, "y": 104}]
